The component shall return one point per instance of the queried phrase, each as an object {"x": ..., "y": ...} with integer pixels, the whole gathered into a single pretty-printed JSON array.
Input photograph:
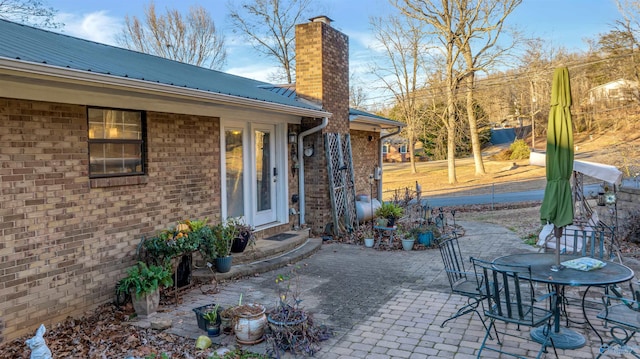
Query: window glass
[
  {"x": 235, "y": 170},
  {"x": 115, "y": 142}
]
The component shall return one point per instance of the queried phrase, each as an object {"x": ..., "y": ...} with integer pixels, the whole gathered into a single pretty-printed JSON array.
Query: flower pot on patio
[
  {"x": 407, "y": 243},
  {"x": 223, "y": 264},
  {"x": 425, "y": 238},
  {"x": 250, "y": 321},
  {"x": 369, "y": 242},
  {"x": 146, "y": 304},
  {"x": 239, "y": 244}
]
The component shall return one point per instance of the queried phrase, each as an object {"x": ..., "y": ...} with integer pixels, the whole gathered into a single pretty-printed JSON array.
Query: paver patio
[{"x": 385, "y": 305}]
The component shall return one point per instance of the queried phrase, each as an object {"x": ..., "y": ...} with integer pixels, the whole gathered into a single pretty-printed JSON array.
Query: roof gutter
[
  {"x": 368, "y": 120},
  {"x": 397, "y": 131},
  {"x": 69, "y": 75},
  {"x": 301, "y": 136}
]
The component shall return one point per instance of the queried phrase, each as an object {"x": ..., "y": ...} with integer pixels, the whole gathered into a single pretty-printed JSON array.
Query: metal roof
[
  {"x": 32, "y": 45},
  {"x": 366, "y": 117},
  {"x": 355, "y": 115}
]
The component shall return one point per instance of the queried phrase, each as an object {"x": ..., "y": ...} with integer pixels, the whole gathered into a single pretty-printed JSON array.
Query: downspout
[
  {"x": 380, "y": 160},
  {"x": 301, "y": 136}
]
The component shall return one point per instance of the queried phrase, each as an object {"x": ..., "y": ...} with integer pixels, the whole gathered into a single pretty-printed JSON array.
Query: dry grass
[
  {"x": 504, "y": 176},
  {"x": 618, "y": 149}
]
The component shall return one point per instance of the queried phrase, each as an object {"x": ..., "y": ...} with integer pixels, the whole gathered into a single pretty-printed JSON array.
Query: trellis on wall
[{"x": 341, "y": 182}]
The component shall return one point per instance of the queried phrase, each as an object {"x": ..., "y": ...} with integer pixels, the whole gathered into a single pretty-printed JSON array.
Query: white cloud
[
  {"x": 96, "y": 26},
  {"x": 257, "y": 71}
]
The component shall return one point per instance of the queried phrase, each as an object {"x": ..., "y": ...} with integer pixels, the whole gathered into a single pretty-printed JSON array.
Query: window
[
  {"x": 116, "y": 143},
  {"x": 403, "y": 148},
  {"x": 385, "y": 149}
]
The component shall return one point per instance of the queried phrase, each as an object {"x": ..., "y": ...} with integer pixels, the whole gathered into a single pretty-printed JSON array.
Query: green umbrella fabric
[{"x": 557, "y": 204}]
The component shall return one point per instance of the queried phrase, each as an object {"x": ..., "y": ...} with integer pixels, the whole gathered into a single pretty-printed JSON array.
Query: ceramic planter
[
  {"x": 369, "y": 242},
  {"x": 249, "y": 324},
  {"x": 425, "y": 238},
  {"x": 213, "y": 329},
  {"x": 147, "y": 304},
  {"x": 407, "y": 244},
  {"x": 223, "y": 264}
]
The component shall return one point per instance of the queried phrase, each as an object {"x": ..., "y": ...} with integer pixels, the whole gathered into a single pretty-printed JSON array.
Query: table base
[{"x": 563, "y": 339}]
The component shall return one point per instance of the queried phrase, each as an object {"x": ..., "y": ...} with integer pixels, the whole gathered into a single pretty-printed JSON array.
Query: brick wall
[
  {"x": 322, "y": 76},
  {"x": 366, "y": 154},
  {"x": 66, "y": 240}
]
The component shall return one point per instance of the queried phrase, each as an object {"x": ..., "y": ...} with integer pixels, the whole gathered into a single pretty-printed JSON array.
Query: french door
[
  {"x": 251, "y": 173},
  {"x": 264, "y": 175}
]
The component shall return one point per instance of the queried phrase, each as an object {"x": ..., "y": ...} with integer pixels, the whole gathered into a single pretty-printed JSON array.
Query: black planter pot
[
  {"x": 391, "y": 221},
  {"x": 239, "y": 244}
]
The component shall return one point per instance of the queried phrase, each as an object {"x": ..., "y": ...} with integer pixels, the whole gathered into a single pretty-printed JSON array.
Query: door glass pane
[
  {"x": 233, "y": 161},
  {"x": 263, "y": 170}
]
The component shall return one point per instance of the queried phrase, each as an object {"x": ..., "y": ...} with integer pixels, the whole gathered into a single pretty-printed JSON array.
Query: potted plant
[
  {"x": 368, "y": 237},
  {"x": 390, "y": 211},
  {"x": 292, "y": 328},
  {"x": 244, "y": 237},
  {"x": 248, "y": 322},
  {"x": 425, "y": 234},
  {"x": 226, "y": 319},
  {"x": 174, "y": 242},
  {"x": 207, "y": 245},
  {"x": 224, "y": 234},
  {"x": 144, "y": 283},
  {"x": 212, "y": 321},
  {"x": 407, "y": 240}
]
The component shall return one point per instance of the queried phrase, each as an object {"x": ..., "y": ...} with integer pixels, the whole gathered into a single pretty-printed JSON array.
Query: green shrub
[{"x": 519, "y": 150}]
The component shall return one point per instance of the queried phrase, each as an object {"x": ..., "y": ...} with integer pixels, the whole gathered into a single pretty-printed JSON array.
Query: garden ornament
[{"x": 39, "y": 349}]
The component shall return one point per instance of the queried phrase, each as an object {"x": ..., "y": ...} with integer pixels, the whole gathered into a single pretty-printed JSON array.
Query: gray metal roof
[{"x": 25, "y": 43}]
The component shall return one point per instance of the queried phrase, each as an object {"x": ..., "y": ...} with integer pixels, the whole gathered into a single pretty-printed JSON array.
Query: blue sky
[{"x": 560, "y": 22}]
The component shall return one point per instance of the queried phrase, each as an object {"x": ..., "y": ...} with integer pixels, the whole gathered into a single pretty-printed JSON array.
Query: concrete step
[
  {"x": 269, "y": 257},
  {"x": 265, "y": 248}
]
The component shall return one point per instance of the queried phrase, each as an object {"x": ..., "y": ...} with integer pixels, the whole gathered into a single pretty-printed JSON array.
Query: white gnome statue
[{"x": 39, "y": 349}]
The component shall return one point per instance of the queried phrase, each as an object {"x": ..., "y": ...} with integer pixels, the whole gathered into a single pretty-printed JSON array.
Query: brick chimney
[
  {"x": 322, "y": 76},
  {"x": 322, "y": 69}
]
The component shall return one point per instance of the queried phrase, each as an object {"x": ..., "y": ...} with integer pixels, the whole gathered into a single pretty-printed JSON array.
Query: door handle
[{"x": 275, "y": 175}]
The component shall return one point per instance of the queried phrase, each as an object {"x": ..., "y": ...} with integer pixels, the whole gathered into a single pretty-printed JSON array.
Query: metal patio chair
[
  {"x": 511, "y": 299},
  {"x": 462, "y": 282},
  {"x": 622, "y": 316}
]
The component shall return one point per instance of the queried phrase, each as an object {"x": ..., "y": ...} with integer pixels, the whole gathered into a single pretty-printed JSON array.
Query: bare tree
[
  {"x": 536, "y": 63},
  {"x": 445, "y": 25},
  {"x": 192, "y": 39},
  {"x": 31, "y": 12},
  {"x": 484, "y": 22},
  {"x": 270, "y": 27},
  {"x": 402, "y": 71},
  {"x": 357, "y": 95}
]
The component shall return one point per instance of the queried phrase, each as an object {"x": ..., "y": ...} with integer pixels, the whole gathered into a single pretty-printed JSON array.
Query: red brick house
[{"x": 102, "y": 146}]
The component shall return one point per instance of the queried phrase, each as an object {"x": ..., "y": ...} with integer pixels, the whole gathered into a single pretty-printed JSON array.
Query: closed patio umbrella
[{"x": 557, "y": 204}]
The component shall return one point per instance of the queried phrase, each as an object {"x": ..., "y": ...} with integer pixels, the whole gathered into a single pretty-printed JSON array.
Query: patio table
[{"x": 611, "y": 273}]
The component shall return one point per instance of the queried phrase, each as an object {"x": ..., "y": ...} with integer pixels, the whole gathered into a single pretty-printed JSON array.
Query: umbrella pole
[{"x": 557, "y": 232}]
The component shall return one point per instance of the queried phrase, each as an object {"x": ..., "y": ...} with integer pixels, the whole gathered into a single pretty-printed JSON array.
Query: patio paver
[{"x": 383, "y": 304}]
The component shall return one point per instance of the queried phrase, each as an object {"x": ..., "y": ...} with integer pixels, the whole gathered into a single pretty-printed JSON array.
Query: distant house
[
  {"x": 395, "y": 148},
  {"x": 615, "y": 92},
  {"x": 103, "y": 146}
]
